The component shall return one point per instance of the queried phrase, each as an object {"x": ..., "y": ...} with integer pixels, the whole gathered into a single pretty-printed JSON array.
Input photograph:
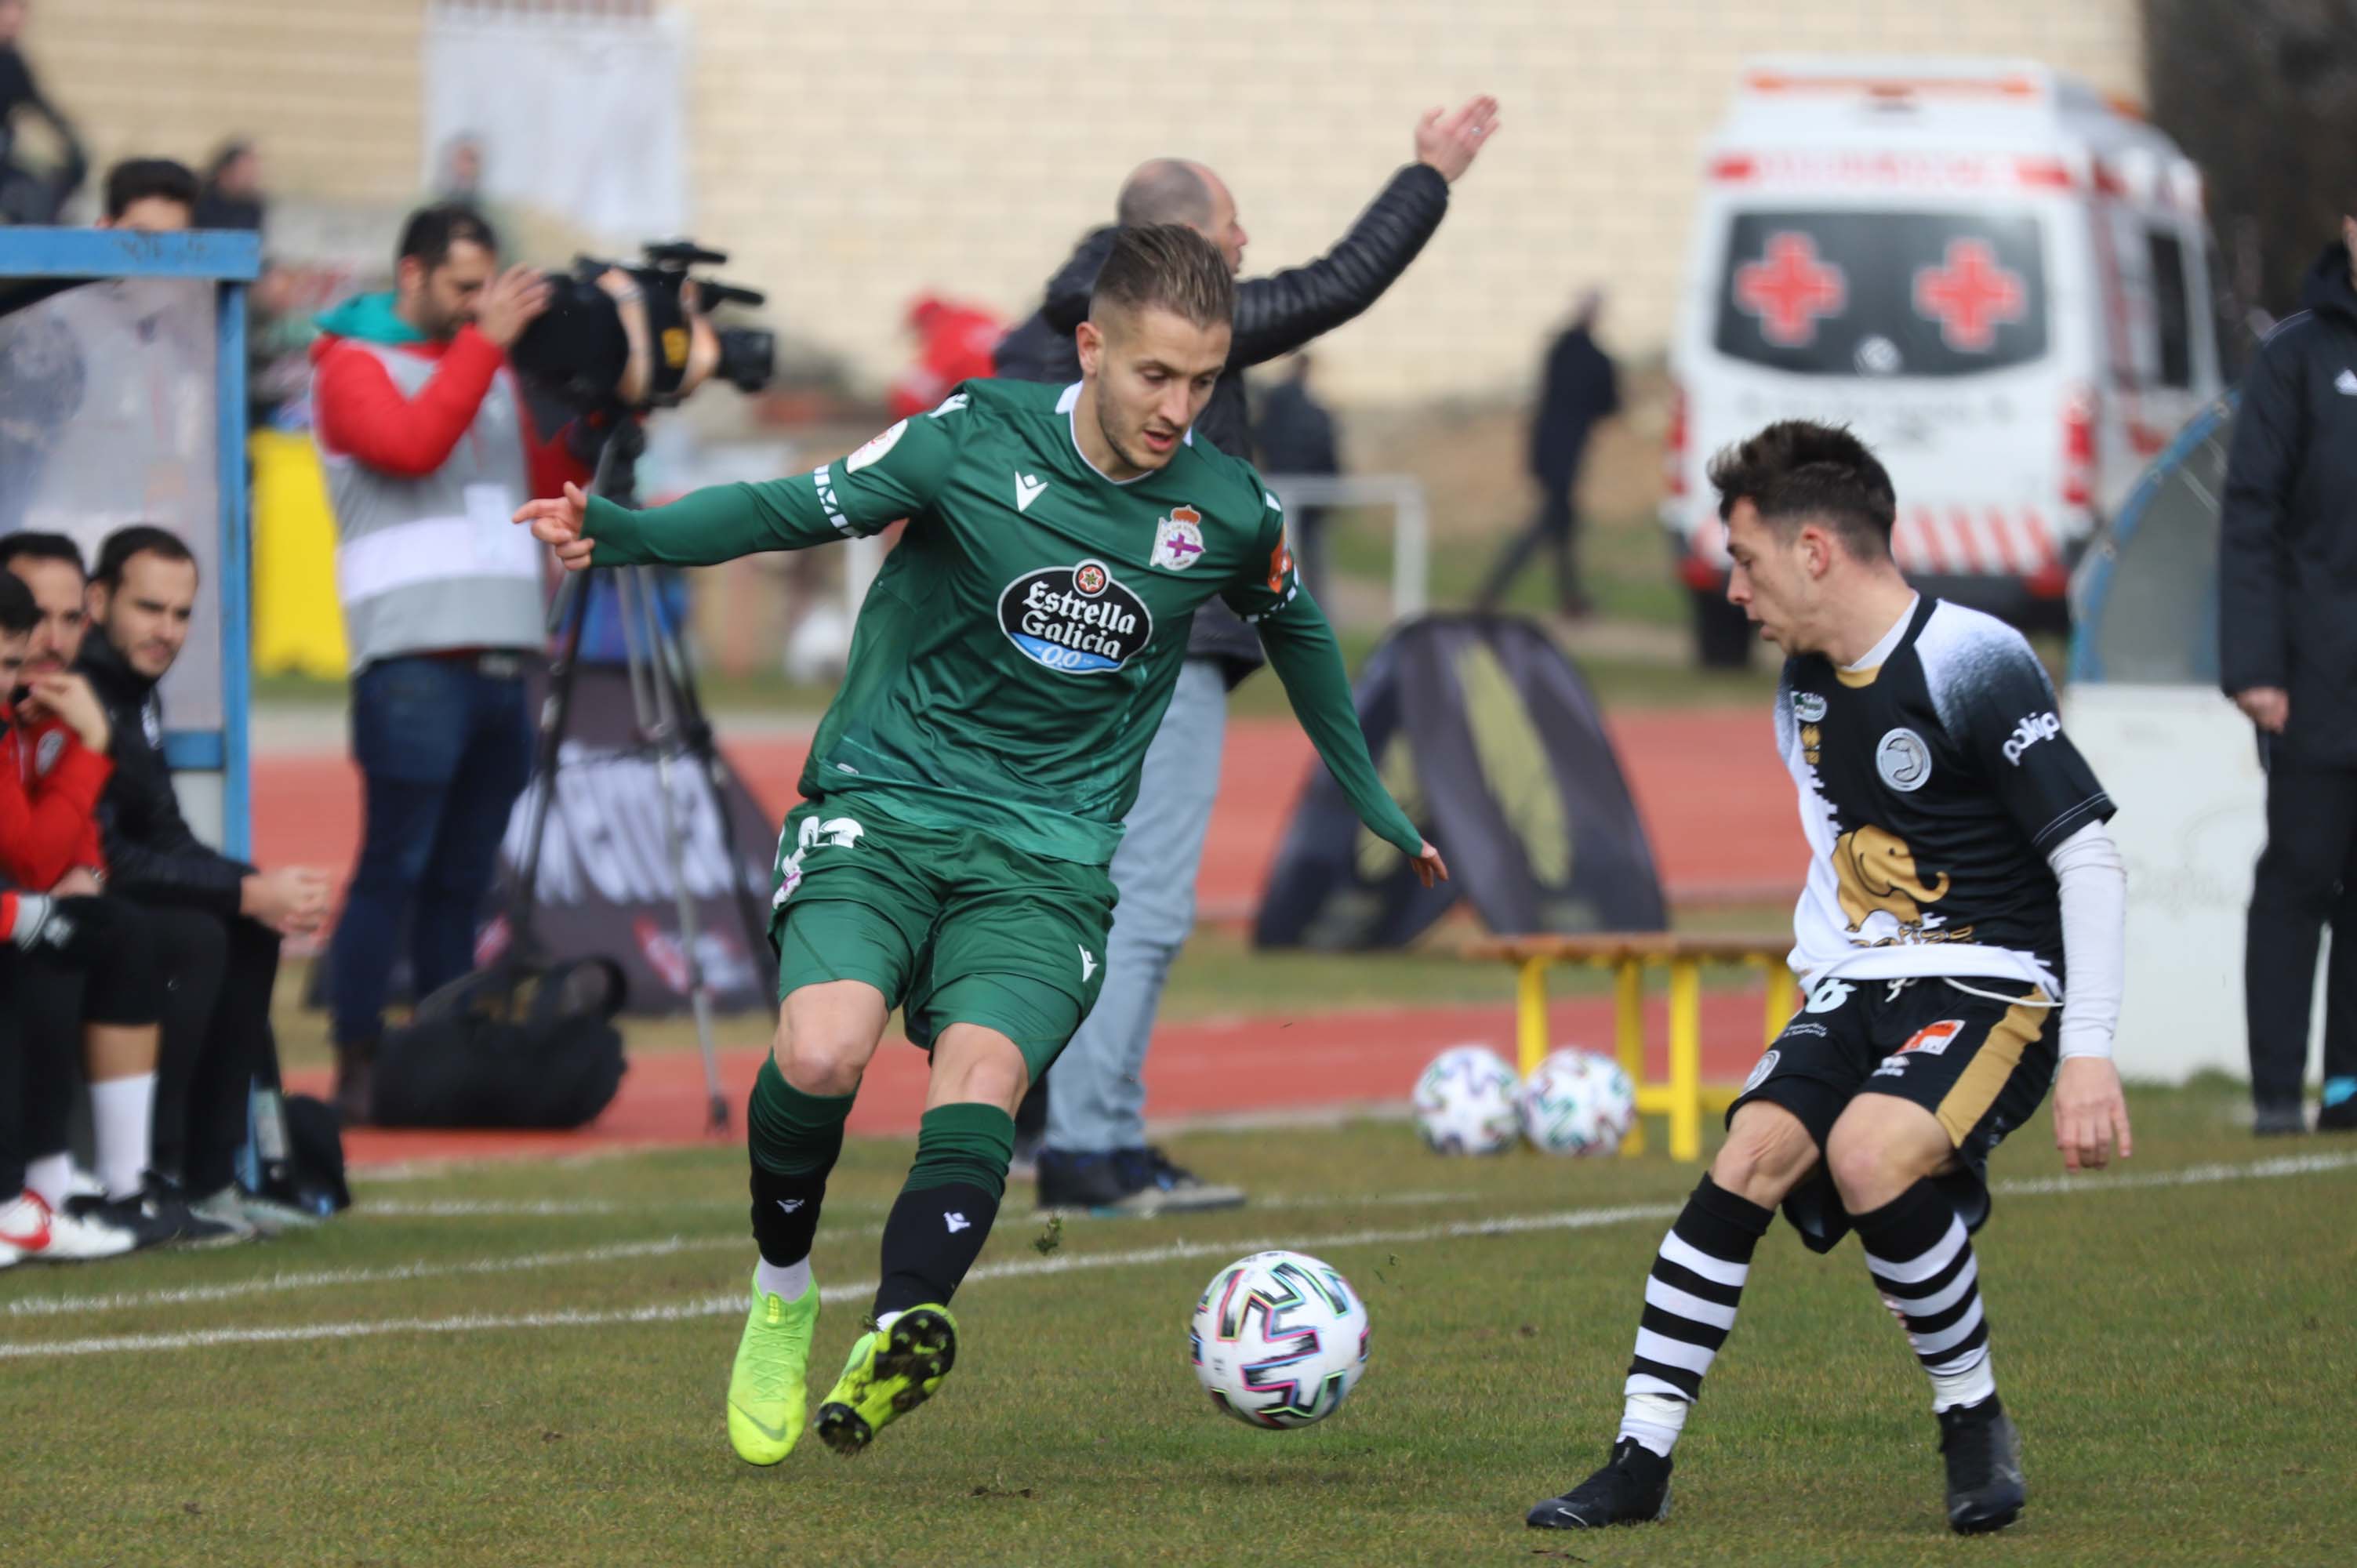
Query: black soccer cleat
[
  {"x": 1986, "y": 1490},
  {"x": 1633, "y": 1488},
  {"x": 156, "y": 1216}
]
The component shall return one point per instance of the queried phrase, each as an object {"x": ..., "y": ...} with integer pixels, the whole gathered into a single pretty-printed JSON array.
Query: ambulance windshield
[{"x": 1880, "y": 294}]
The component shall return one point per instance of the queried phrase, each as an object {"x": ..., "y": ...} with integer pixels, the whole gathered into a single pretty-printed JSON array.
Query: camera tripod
[{"x": 671, "y": 726}]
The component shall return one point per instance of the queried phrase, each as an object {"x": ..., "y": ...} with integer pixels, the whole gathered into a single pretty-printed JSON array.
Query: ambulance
[{"x": 1997, "y": 278}]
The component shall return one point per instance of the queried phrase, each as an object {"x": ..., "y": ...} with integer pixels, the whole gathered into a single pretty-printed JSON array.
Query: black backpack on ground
[{"x": 504, "y": 1048}]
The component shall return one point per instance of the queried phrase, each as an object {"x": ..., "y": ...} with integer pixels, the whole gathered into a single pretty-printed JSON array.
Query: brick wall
[{"x": 854, "y": 152}]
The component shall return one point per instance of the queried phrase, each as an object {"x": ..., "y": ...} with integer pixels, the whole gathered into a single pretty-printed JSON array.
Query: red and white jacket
[{"x": 49, "y": 785}]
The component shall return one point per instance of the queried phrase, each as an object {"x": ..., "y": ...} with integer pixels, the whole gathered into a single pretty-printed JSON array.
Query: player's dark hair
[
  {"x": 432, "y": 231},
  {"x": 16, "y": 547},
  {"x": 1799, "y": 471},
  {"x": 1169, "y": 265},
  {"x": 141, "y": 179},
  {"x": 138, "y": 538},
  {"x": 18, "y": 611}
]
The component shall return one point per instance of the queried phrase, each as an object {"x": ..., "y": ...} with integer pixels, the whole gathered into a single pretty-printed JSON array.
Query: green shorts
[{"x": 953, "y": 927}]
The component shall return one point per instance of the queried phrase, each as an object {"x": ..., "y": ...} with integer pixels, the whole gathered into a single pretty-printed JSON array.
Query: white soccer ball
[
  {"x": 1577, "y": 1103},
  {"x": 1280, "y": 1339},
  {"x": 1466, "y": 1103}
]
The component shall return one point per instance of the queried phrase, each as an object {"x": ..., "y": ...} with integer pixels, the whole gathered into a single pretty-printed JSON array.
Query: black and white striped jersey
[{"x": 1932, "y": 788}]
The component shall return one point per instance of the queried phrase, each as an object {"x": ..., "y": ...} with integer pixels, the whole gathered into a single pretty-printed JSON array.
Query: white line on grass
[
  {"x": 722, "y": 1305},
  {"x": 1144, "y": 1257},
  {"x": 273, "y": 1285},
  {"x": 426, "y": 1269},
  {"x": 561, "y": 1208}
]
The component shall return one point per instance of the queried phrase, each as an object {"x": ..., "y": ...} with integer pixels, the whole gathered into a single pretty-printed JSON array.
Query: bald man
[{"x": 1094, "y": 1156}]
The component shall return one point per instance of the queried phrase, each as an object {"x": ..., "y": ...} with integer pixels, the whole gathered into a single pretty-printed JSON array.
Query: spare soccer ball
[
  {"x": 1466, "y": 1102},
  {"x": 1280, "y": 1339},
  {"x": 1578, "y": 1103}
]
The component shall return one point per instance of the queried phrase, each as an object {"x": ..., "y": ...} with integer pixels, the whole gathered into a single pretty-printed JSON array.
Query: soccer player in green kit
[{"x": 964, "y": 793}]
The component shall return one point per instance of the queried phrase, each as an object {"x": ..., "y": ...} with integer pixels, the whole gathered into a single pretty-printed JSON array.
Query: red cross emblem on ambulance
[
  {"x": 1791, "y": 290},
  {"x": 1970, "y": 294}
]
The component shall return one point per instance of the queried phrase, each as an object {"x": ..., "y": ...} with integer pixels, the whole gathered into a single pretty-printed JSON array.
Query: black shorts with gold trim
[{"x": 1980, "y": 1064}]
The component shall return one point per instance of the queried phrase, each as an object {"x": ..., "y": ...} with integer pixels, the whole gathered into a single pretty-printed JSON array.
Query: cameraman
[{"x": 428, "y": 449}]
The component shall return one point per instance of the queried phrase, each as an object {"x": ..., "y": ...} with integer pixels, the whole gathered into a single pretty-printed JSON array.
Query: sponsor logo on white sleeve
[{"x": 2028, "y": 733}]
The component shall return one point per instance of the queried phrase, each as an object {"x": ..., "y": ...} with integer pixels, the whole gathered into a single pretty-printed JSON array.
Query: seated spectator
[
  {"x": 141, "y": 599},
  {"x": 151, "y": 195},
  {"x": 232, "y": 196},
  {"x": 55, "y": 742},
  {"x": 37, "y": 935}
]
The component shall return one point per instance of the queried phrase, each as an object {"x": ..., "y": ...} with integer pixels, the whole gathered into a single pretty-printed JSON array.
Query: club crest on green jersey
[
  {"x": 1177, "y": 539},
  {"x": 1075, "y": 620}
]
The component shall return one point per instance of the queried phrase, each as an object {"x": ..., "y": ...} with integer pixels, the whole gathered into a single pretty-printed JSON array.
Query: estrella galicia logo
[{"x": 1076, "y": 620}]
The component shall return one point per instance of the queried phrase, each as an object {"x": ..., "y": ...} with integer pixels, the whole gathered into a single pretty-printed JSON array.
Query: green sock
[
  {"x": 968, "y": 1144},
  {"x": 789, "y": 1133}
]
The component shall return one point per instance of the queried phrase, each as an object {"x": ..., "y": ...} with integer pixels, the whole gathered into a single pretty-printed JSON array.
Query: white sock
[
  {"x": 1950, "y": 1389},
  {"x": 123, "y": 1118},
  {"x": 785, "y": 1281},
  {"x": 1654, "y": 1421},
  {"x": 51, "y": 1176}
]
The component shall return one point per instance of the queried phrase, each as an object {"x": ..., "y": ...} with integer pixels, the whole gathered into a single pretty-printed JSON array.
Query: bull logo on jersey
[
  {"x": 1075, "y": 620},
  {"x": 1877, "y": 875}
]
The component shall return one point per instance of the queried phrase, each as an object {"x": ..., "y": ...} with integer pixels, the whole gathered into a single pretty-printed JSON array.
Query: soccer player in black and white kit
[{"x": 1958, "y": 860}]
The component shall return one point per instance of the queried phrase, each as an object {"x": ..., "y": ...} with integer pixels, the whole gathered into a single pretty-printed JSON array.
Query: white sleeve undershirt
[{"x": 2095, "y": 884}]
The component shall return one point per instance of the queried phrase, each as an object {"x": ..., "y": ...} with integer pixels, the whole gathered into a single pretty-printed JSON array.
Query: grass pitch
[{"x": 525, "y": 1365}]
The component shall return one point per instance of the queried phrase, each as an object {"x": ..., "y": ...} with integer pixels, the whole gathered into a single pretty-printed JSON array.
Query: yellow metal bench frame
[{"x": 1682, "y": 1099}]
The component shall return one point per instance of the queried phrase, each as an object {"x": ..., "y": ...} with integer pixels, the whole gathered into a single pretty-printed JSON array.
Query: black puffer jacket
[
  {"x": 152, "y": 853},
  {"x": 1275, "y": 315},
  {"x": 2288, "y": 545}
]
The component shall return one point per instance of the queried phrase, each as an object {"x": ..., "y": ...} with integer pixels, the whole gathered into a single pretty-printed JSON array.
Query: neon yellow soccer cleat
[
  {"x": 892, "y": 1371},
  {"x": 766, "y": 1388}
]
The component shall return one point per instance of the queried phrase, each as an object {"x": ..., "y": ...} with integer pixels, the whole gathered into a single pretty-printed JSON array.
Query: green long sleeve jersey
[{"x": 1015, "y": 655}]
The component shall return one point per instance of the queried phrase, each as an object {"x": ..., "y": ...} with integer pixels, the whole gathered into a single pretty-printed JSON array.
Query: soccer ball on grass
[
  {"x": 1576, "y": 1102},
  {"x": 1466, "y": 1103},
  {"x": 1279, "y": 1339}
]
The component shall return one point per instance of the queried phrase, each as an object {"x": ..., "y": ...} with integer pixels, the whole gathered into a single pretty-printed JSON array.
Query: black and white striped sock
[
  {"x": 1690, "y": 1301},
  {"x": 1921, "y": 1261}
]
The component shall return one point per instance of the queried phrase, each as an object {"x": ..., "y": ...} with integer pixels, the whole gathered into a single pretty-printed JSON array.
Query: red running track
[
  {"x": 1223, "y": 1068},
  {"x": 1716, "y": 801},
  {"x": 1716, "y": 805}
]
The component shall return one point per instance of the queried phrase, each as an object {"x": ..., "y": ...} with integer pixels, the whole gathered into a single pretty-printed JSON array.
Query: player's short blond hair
[{"x": 1168, "y": 266}]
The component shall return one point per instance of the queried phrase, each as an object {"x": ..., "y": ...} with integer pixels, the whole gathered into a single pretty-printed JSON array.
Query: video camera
[{"x": 577, "y": 350}]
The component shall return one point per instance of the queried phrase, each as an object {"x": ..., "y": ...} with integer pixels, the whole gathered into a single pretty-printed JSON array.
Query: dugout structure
[
  {"x": 122, "y": 400},
  {"x": 2183, "y": 764}
]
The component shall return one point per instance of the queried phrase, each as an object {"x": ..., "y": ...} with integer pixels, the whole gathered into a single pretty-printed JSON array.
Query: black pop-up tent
[{"x": 1485, "y": 733}]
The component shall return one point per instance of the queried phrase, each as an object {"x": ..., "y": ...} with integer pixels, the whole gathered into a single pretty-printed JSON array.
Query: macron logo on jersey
[
  {"x": 1028, "y": 487},
  {"x": 2028, "y": 733}
]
